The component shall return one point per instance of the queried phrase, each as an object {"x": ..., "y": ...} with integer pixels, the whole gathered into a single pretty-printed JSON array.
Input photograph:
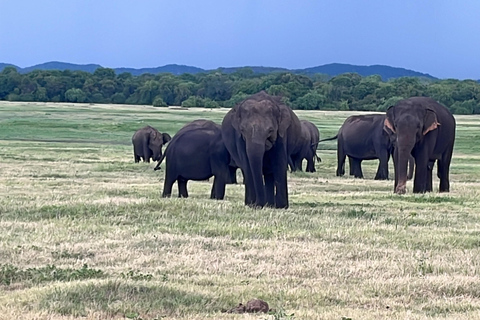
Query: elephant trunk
[
  {"x": 157, "y": 155},
  {"x": 403, "y": 157},
  {"x": 255, "y": 153}
]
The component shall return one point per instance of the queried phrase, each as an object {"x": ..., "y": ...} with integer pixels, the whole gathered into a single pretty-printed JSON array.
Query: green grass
[{"x": 85, "y": 233}]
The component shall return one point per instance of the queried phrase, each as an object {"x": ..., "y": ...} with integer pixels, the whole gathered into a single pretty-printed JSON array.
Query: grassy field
[{"x": 85, "y": 234}]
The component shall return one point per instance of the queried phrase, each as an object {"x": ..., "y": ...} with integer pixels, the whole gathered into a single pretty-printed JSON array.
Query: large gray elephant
[
  {"x": 197, "y": 152},
  {"x": 307, "y": 148},
  {"x": 362, "y": 137},
  {"x": 260, "y": 134},
  {"x": 147, "y": 143},
  {"x": 425, "y": 129}
]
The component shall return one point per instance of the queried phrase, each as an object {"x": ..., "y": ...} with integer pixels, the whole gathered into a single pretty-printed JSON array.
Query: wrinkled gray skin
[
  {"x": 197, "y": 152},
  {"x": 307, "y": 148},
  {"x": 362, "y": 137},
  {"x": 260, "y": 134},
  {"x": 147, "y": 143},
  {"x": 424, "y": 129}
]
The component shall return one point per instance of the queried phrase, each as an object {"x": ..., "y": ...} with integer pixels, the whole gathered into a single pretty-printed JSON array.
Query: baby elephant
[
  {"x": 147, "y": 143},
  {"x": 197, "y": 152}
]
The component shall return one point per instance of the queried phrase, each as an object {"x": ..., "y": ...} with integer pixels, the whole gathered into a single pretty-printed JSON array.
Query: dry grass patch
[{"x": 345, "y": 248}]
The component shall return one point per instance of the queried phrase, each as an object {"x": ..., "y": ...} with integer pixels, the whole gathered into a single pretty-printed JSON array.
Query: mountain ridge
[{"x": 331, "y": 69}]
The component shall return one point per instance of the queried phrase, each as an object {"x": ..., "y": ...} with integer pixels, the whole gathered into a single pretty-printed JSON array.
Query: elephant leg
[
  {"x": 355, "y": 167},
  {"x": 395, "y": 170},
  {"x": 429, "y": 182},
  {"x": 351, "y": 166},
  {"x": 232, "y": 175},
  {"x": 146, "y": 153},
  {"x": 444, "y": 171},
  {"x": 298, "y": 165},
  {"x": 270, "y": 189},
  {"x": 279, "y": 167},
  {"x": 281, "y": 187},
  {"x": 310, "y": 164},
  {"x": 421, "y": 173},
  {"x": 358, "y": 170},
  {"x": 167, "y": 185},
  {"x": 382, "y": 171},
  {"x": 340, "y": 161},
  {"x": 218, "y": 189},
  {"x": 182, "y": 188}
]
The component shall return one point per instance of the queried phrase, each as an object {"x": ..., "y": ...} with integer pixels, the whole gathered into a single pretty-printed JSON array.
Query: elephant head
[
  {"x": 407, "y": 124},
  {"x": 260, "y": 121},
  {"x": 156, "y": 141}
]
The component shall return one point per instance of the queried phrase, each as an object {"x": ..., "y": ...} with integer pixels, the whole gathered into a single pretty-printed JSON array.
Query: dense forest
[{"x": 348, "y": 91}]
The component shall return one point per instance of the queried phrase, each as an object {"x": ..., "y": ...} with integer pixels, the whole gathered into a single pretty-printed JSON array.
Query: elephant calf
[
  {"x": 307, "y": 148},
  {"x": 147, "y": 143},
  {"x": 197, "y": 152}
]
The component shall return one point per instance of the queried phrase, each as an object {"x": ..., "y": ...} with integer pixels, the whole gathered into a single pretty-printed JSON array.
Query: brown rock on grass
[{"x": 252, "y": 306}]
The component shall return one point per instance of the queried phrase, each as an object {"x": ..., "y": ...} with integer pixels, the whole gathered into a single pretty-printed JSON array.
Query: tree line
[{"x": 348, "y": 91}]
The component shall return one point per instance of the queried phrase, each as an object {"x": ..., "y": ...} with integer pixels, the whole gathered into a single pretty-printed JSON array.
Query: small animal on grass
[{"x": 148, "y": 143}]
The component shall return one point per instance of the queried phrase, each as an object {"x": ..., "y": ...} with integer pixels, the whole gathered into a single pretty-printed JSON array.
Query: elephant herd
[{"x": 263, "y": 137}]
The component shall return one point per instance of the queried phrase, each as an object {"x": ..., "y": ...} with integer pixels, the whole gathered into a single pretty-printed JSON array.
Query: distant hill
[
  {"x": 55, "y": 65},
  {"x": 254, "y": 69},
  {"x": 169, "y": 68},
  {"x": 4, "y": 65},
  {"x": 333, "y": 69},
  {"x": 386, "y": 72}
]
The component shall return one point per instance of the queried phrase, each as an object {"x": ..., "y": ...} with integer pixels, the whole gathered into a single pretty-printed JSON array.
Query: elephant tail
[
  {"x": 157, "y": 167},
  {"x": 318, "y": 158},
  {"x": 328, "y": 139}
]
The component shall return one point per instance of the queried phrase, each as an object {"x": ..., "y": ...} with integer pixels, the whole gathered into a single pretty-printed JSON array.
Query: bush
[
  {"x": 389, "y": 102},
  {"x": 158, "y": 102},
  {"x": 193, "y": 102},
  {"x": 208, "y": 103},
  {"x": 310, "y": 101}
]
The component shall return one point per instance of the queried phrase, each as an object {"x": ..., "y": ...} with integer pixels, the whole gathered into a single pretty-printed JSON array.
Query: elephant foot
[
  {"x": 401, "y": 189},
  {"x": 254, "y": 206}
]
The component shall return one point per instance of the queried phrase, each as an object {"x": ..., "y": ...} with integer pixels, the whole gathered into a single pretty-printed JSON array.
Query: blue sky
[{"x": 440, "y": 37}]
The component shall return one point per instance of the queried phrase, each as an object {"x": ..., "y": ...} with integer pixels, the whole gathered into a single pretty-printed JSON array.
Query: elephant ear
[
  {"x": 284, "y": 121},
  {"x": 236, "y": 119},
  {"x": 166, "y": 137},
  {"x": 152, "y": 135},
  {"x": 387, "y": 123},
  {"x": 430, "y": 122}
]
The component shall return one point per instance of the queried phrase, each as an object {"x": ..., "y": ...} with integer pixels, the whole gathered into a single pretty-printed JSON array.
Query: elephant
[
  {"x": 197, "y": 152},
  {"x": 260, "y": 134},
  {"x": 425, "y": 129},
  {"x": 307, "y": 148},
  {"x": 362, "y": 137},
  {"x": 147, "y": 143}
]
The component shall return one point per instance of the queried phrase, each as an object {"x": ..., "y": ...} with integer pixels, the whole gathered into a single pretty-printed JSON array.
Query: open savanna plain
[{"x": 84, "y": 232}]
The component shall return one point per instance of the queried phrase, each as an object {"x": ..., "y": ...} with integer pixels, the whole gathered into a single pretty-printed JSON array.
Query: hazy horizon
[{"x": 437, "y": 38}]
